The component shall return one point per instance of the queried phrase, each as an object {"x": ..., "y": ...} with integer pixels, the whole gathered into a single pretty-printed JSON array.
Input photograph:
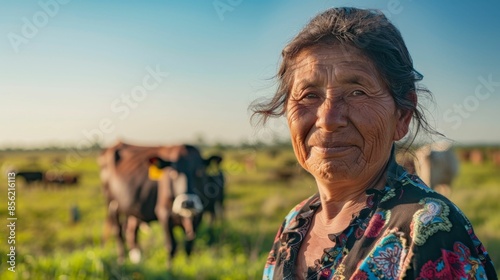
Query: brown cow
[
  {"x": 495, "y": 157},
  {"x": 61, "y": 178},
  {"x": 176, "y": 198}
]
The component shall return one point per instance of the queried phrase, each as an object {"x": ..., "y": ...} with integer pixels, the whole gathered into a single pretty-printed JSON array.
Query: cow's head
[
  {"x": 186, "y": 172},
  {"x": 181, "y": 178}
]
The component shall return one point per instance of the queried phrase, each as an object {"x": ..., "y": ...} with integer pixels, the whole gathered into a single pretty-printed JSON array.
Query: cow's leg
[
  {"x": 107, "y": 229},
  {"x": 190, "y": 225},
  {"x": 187, "y": 225},
  {"x": 163, "y": 211},
  {"x": 108, "y": 223},
  {"x": 210, "y": 228},
  {"x": 216, "y": 217},
  {"x": 167, "y": 224},
  {"x": 131, "y": 236},
  {"x": 114, "y": 220},
  {"x": 217, "y": 212},
  {"x": 171, "y": 242}
]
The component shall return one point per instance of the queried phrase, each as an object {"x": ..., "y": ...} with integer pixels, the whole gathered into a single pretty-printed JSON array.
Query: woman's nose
[{"x": 332, "y": 114}]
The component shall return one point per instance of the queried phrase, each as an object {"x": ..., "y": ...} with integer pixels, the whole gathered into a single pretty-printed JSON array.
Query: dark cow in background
[
  {"x": 31, "y": 176},
  {"x": 213, "y": 193},
  {"x": 136, "y": 191},
  {"x": 49, "y": 178}
]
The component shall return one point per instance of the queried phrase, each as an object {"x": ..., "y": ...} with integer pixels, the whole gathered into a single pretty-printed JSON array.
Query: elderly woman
[{"x": 347, "y": 87}]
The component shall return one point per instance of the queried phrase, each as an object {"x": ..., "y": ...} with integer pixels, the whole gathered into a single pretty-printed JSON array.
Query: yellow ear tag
[{"x": 154, "y": 173}]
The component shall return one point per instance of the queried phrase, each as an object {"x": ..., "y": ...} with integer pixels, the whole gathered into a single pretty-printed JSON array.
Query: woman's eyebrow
[
  {"x": 361, "y": 78},
  {"x": 305, "y": 83},
  {"x": 354, "y": 79},
  {"x": 311, "y": 79}
]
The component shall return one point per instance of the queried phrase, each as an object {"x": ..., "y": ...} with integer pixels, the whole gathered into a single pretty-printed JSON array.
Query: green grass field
[{"x": 50, "y": 246}]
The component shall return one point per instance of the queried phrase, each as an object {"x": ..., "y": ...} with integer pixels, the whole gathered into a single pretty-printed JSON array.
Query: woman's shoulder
[
  {"x": 422, "y": 206},
  {"x": 410, "y": 189},
  {"x": 437, "y": 229}
]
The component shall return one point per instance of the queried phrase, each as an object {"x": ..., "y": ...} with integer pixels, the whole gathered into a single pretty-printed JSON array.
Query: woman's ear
[{"x": 404, "y": 118}]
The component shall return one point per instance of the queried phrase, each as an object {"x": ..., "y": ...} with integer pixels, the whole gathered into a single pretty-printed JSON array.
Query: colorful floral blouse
[{"x": 405, "y": 231}]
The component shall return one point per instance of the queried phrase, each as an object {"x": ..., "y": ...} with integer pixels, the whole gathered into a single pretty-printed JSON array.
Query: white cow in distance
[{"x": 437, "y": 165}]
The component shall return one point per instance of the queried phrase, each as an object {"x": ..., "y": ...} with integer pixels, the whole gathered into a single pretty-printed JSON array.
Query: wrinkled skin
[{"x": 342, "y": 117}]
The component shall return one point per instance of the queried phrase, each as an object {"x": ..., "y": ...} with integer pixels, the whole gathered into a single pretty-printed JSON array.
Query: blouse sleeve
[{"x": 273, "y": 255}]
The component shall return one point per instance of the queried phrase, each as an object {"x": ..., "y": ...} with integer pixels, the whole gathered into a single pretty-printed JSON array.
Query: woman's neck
[{"x": 346, "y": 198}]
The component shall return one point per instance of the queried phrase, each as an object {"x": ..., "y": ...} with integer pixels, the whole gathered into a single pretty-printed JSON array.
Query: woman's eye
[
  {"x": 307, "y": 98},
  {"x": 358, "y": 93},
  {"x": 310, "y": 96}
]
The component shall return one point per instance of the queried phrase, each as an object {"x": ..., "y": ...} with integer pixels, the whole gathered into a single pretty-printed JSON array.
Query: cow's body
[
  {"x": 61, "y": 178},
  {"x": 176, "y": 198},
  {"x": 437, "y": 166}
]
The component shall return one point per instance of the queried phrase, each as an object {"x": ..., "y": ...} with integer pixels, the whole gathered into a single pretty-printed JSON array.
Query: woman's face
[{"x": 341, "y": 115}]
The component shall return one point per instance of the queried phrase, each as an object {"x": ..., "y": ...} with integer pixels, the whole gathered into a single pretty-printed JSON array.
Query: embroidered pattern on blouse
[
  {"x": 429, "y": 220},
  {"x": 417, "y": 182},
  {"x": 456, "y": 264},
  {"x": 386, "y": 260},
  {"x": 377, "y": 222},
  {"x": 390, "y": 194}
]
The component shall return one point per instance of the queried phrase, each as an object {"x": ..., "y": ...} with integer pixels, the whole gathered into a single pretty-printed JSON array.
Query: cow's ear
[
  {"x": 159, "y": 162},
  {"x": 215, "y": 158},
  {"x": 117, "y": 156}
]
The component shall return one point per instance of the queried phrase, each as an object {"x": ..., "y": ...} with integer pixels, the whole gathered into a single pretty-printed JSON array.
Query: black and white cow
[{"x": 164, "y": 183}]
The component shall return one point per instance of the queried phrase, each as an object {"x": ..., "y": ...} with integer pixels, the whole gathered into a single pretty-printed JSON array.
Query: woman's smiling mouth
[{"x": 333, "y": 149}]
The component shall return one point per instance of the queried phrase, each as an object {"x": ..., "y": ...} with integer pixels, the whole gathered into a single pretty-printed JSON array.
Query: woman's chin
[{"x": 334, "y": 173}]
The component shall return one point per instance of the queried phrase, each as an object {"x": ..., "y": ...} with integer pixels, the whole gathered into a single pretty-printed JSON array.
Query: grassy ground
[{"x": 50, "y": 246}]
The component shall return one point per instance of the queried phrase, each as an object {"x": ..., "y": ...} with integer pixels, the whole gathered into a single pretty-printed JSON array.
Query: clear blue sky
[{"x": 66, "y": 66}]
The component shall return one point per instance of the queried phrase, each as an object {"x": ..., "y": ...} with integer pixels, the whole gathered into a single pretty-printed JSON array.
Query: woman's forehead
[
  {"x": 333, "y": 61},
  {"x": 327, "y": 55}
]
